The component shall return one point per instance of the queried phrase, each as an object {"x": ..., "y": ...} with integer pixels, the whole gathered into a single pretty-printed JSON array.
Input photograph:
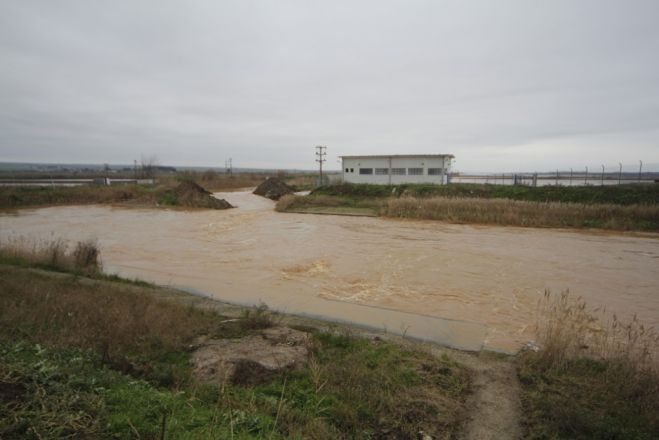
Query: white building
[{"x": 397, "y": 169}]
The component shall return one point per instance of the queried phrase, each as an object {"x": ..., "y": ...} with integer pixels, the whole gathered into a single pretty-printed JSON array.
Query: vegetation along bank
[{"x": 623, "y": 208}]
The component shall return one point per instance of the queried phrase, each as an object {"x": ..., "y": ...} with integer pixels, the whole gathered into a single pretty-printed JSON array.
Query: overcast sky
[{"x": 502, "y": 85}]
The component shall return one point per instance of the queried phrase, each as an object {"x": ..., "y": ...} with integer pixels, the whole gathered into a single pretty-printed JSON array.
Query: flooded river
[{"x": 464, "y": 286}]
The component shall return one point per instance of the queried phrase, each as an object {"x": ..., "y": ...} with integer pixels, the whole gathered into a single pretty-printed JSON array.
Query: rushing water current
[{"x": 464, "y": 286}]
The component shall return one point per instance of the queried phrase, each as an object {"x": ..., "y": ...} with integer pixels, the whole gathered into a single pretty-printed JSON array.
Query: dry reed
[
  {"x": 567, "y": 330},
  {"x": 523, "y": 213},
  {"x": 84, "y": 256}
]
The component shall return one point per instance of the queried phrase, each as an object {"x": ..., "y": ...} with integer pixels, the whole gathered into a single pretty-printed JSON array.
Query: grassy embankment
[
  {"x": 625, "y": 207},
  {"x": 162, "y": 194},
  {"x": 594, "y": 378},
  {"x": 84, "y": 357}
]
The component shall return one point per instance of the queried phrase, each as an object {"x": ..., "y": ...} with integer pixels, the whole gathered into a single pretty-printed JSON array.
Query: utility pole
[
  {"x": 228, "y": 166},
  {"x": 620, "y": 173},
  {"x": 602, "y": 175},
  {"x": 570, "y": 176},
  {"x": 640, "y": 170},
  {"x": 320, "y": 158}
]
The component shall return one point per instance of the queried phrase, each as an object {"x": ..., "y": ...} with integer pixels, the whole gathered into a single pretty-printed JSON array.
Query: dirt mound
[
  {"x": 252, "y": 359},
  {"x": 191, "y": 195},
  {"x": 273, "y": 189}
]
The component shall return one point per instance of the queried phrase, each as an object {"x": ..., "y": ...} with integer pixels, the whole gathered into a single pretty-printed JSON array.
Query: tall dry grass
[
  {"x": 83, "y": 256},
  {"x": 125, "y": 324},
  {"x": 524, "y": 213},
  {"x": 567, "y": 329}
]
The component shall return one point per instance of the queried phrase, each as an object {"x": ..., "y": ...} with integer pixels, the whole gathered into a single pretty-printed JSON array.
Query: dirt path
[{"x": 494, "y": 404}]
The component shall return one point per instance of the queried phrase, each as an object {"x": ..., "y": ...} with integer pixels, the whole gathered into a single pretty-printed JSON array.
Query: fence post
[{"x": 585, "y": 181}]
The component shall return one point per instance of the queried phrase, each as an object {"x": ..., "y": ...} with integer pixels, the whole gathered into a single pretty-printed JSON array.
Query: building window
[
  {"x": 352, "y": 170},
  {"x": 382, "y": 171},
  {"x": 366, "y": 171},
  {"x": 347, "y": 170},
  {"x": 435, "y": 171},
  {"x": 398, "y": 171},
  {"x": 415, "y": 171}
]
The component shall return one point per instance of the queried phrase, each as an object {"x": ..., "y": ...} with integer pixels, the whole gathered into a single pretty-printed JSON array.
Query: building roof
[{"x": 393, "y": 156}]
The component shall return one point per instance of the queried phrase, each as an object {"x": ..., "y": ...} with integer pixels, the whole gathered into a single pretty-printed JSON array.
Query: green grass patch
[
  {"x": 322, "y": 204},
  {"x": 645, "y": 194},
  {"x": 12, "y": 197},
  {"x": 168, "y": 198},
  {"x": 588, "y": 399}
]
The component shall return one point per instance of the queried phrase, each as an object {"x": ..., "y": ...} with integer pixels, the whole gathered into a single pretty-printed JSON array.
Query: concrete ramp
[{"x": 457, "y": 334}]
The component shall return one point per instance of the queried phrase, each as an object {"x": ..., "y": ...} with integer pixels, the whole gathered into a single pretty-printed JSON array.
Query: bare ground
[{"x": 494, "y": 403}]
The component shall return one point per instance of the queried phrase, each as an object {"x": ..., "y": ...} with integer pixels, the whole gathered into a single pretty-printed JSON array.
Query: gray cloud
[{"x": 502, "y": 85}]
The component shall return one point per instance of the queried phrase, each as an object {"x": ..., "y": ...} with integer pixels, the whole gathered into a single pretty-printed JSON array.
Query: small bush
[
  {"x": 257, "y": 318},
  {"x": 169, "y": 199},
  {"x": 87, "y": 255}
]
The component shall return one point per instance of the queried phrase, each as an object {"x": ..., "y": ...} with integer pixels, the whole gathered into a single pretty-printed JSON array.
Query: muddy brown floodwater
[{"x": 469, "y": 287}]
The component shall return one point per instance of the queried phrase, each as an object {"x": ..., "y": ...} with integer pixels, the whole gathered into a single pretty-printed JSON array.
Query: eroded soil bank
[{"x": 459, "y": 285}]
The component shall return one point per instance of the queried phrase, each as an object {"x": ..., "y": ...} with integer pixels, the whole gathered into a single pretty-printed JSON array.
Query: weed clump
[{"x": 257, "y": 318}]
